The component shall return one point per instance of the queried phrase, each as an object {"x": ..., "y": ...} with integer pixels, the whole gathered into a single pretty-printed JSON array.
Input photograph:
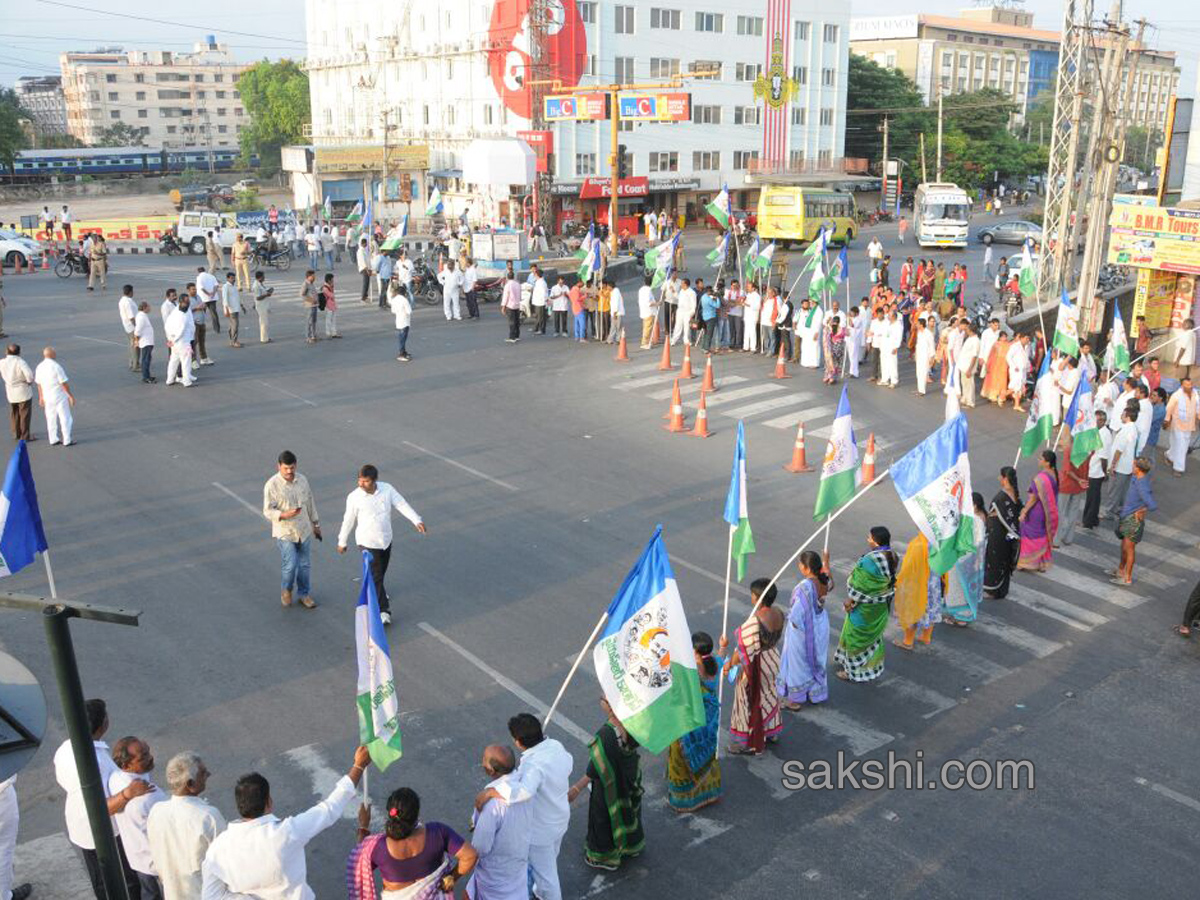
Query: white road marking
[
  {"x": 465, "y": 468},
  {"x": 1190, "y": 802},
  {"x": 287, "y": 393},
  {"x": 769, "y": 770},
  {"x": 1106, "y": 561},
  {"x": 858, "y": 736},
  {"x": 635, "y": 370},
  {"x": 1060, "y": 610},
  {"x": 1187, "y": 538},
  {"x": 757, "y": 390},
  {"x": 1110, "y": 593},
  {"x": 792, "y": 419},
  {"x": 636, "y": 383},
  {"x": 762, "y": 406},
  {"x": 861, "y": 434},
  {"x": 84, "y": 337},
  {"x": 971, "y": 663},
  {"x": 250, "y": 506},
  {"x": 734, "y": 587},
  {"x": 559, "y": 720},
  {"x": 1184, "y": 559},
  {"x": 322, "y": 776},
  {"x": 54, "y": 859},
  {"x": 1017, "y": 637},
  {"x": 913, "y": 691},
  {"x": 693, "y": 387}
]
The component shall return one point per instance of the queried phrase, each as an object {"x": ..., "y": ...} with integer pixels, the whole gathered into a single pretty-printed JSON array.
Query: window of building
[
  {"x": 113, "y": 95},
  {"x": 198, "y": 77},
  {"x": 664, "y": 162},
  {"x": 115, "y": 114},
  {"x": 94, "y": 96},
  {"x": 487, "y": 114},
  {"x": 706, "y": 115},
  {"x": 747, "y": 115},
  {"x": 742, "y": 158},
  {"x": 962, "y": 85},
  {"x": 824, "y": 157},
  {"x": 799, "y": 115},
  {"x": 140, "y": 95},
  {"x": 238, "y": 111},
  {"x": 221, "y": 110},
  {"x": 220, "y": 95},
  {"x": 236, "y": 95},
  {"x": 826, "y": 115},
  {"x": 664, "y": 18},
  {"x": 801, "y": 31},
  {"x": 747, "y": 71},
  {"x": 425, "y": 114},
  {"x": 998, "y": 42},
  {"x": 589, "y": 65},
  {"x": 968, "y": 39},
  {"x": 449, "y": 115},
  {"x": 706, "y": 65},
  {"x": 750, "y": 25},
  {"x": 714, "y": 22},
  {"x": 827, "y": 77},
  {"x": 663, "y": 68},
  {"x": 222, "y": 129},
  {"x": 983, "y": 40},
  {"x": 623, "y": 16},
  {"x": 830, "y": 33},
  {"x": 139, "y": 78},
  {"x": 142, "y": 113},
  {"x": 995, "y": 63},
  {"x": 800, "y": 74},
  {"x": 111, "y": 79},
  {"x": 706, "y": 160},
  {"x": 796, "y": 160},
  {"x": 200, "y": 95},
  {"x": 624, "y": 69},
  {"x": 585, "y": 163},
  {"x": 218, "y": 78},
  {"x": 979, "y": 62},
  {"x": 171, "y": 129},
  {"x": 952, "y": 36},
  {"x": 587, "y": 11}
]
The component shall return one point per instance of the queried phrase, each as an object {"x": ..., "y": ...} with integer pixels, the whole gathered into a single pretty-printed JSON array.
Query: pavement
[{"x": 541, "y": 469}]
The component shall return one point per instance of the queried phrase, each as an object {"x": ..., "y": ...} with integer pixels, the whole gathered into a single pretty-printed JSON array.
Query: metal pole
[
  {"x": 883, "y": 193},
  {"x": 924, "y": 174},
  {"x": 70, "y": 689},
  {"x": 939, "y": 139},
  {"x": 615, "y": 116}
]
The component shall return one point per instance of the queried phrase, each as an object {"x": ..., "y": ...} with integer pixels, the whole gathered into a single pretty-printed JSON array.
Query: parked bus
[
  {"x": 941, "y": 213},
  {"x": 788, "y": 214}
]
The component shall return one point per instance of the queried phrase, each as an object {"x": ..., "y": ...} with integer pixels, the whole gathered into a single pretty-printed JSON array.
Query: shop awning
[
  {"x": 500, "y": 162},
  {"x": 446, "y": 173}
]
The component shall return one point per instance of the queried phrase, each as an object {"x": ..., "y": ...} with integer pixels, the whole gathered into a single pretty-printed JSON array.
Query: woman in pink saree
[{"x": 1039, "y": 517}]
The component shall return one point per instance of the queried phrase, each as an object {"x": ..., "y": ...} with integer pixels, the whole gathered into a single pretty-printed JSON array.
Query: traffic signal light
[{"x": 622, "y": 163}]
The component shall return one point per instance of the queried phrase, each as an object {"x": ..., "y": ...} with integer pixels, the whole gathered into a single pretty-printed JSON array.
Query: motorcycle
[
  {"x": 425, "y": 286},
  {"x": 169, "y": 245},
  {"x": 489, "y": 290},
  {"x": 981, "y": 315},
  {"x": 72, "y": 262},
  {"x": 278, "y": 257}
]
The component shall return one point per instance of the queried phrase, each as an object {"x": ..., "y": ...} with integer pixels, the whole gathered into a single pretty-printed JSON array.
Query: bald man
[
  {"x": 501, "y": 836},
  {"x": 55, "y": 397}
]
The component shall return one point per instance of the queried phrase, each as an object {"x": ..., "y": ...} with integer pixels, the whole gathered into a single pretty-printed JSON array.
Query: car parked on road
[
  {"x": 1016, "y": 232},
  {"x": 15, "y": 247}
]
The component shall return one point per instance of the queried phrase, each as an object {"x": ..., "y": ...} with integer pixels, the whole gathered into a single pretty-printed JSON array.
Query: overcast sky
[{"x": 34, "y": 32}]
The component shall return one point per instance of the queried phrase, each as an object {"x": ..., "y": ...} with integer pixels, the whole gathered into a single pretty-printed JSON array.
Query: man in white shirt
[
  {"x": 1087, "y": 362},
  {"x": 55, "y": 397},
  {"x": 669, "y": 301},
  {"x": 127, "y": 310},
  {"x": 1120, "y": 468},
  {"x": 470, "y": 280},
  {"x": 403, "y": 271},
  {"x": 647, "y": 310},
  {"x": 560, "y": 305},
  {"x": 967, "y": 362},
  {"x": 262, "y": 306},
  {"x": 616, "y": 306},
  {"x": 987, "y": 341},
  {"x": 809, "y": 320},
  {"x": 1183, "y": 351},
  {"x": 537, "y": 299},
  {"x": 1144, "y": 418},
  {"x": 452, "y": 282},
  {"x": 66, "y": 219},
  {"x": 501, "y": 833},
  {"x": 542, "y": 780},
  {"x": 369, "y": 514},
  {"x": 1180, "y": 424},
  {"x": 134, "y": 761},
  {"x": 180, "y": 829},
  {"x": 751, "y": 308},
  {"x": 9, "y": 820},
  {"x": 208, "y": 291},
  {"x": 231, "y": 305},
  {"x": 143, "y": 336},
  {"x": 312, "y": 244},
  {"x": 79, "y": 829},
  {"x": 262, "y": 856},
  {"x": 923, "y": 350},
  {"x": 180, "y": 331},
  {"x": 402, "y": 309},
  {"x": 892, "y": 334},
  {"x": 1097, "y": 471},
  {"x": 18, "y": 389},
  {"x": 875, "y": 251},
  {"x": 685, "y": 310}
]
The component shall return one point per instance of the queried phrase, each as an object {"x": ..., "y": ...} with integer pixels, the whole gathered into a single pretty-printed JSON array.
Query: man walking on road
[
  {"x": 180, "y": 331},
  {"x": 369, "y": 514},
  {"x": 143, "y": 336},
  {"x": 209, "y": 289},
  {"x": 18, "y": 387},
  {"x": 231, "y": 301},
  {"x": 55, "y": 397},
  {"x": 212, "y": 251},
  {"x": 97, "y": 256},
  {"x": 240, "y": 255},
  {"x": 288, "y": 504},
  {"x": 127, "y": 310},
  {"x": 308, "y": 296}
]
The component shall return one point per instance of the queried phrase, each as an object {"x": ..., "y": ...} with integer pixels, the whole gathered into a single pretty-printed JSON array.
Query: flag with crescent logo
[{"x": 840, "y": 471}]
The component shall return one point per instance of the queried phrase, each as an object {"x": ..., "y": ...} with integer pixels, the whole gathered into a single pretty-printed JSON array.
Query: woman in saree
[
  {"x": 614, "y": 771},
  {"x": 802, "y": 678},
  {"x": 925, "y": 281},
  {"x": 833, "y": 341},
  {"x": 416, "y": 860},
  {"x": 966, "y": 578},
  {"x": 1039, "y": 517},
  {"x": 920, "y": 592},
  {"x": 1003, "y": 536},
  {"x": 869, "y": 590},
  {"x": 995, "y": 378},
  {"x": 693, "y": 772},
  {"x": 756, "y": 717}
]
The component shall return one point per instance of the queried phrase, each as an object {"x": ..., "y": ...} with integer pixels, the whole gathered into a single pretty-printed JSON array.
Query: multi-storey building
[
  {"x": 42, "y": 97},
  {"x": 997, "y": 47},
  {"x": 428, "y": 80},
  {"x": 173, "y": 99}
]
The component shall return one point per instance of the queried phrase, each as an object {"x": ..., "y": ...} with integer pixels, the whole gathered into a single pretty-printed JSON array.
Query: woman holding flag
[
  {"x": 693, "y": 772},
  {"x": 614, "y": 771},
  {"x": 1039, "y": 517},
  {"x": 870, "y": 588},
  {"x": 756, "y": 718},
  {"x": 966, "y": 578},
  {"x": 802, "y": 678},
  {"x": 920, "y": 593}
]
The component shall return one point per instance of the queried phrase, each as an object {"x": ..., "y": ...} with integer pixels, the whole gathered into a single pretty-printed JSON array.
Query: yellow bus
[{"x": 789, "y": 214}]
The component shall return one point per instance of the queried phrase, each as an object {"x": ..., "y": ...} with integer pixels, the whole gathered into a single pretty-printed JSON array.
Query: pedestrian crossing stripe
[
  {"x": 1108, "y": 561},
  {"x": 693, "y": 387},
  {"x": 725, "y": 397},
  {"x": 918, "y": 693},
  {"x": 762, "y": 406},
  {"x": 1183, "y": 559},
  {"x": 1060, "y": 610},
  {"x": 1091, "y": 587}
]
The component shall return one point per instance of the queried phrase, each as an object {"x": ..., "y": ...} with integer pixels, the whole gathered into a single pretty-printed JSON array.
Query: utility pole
[
  {"x": 883, "y": 194},
  {"x": 539, "y": 20},
  {"x": 939, "y": 139},
  {"x": 924, "y": 175}
]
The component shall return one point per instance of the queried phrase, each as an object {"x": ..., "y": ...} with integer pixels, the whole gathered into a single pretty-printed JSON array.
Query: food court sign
[{"x": 1155, "y": 237}]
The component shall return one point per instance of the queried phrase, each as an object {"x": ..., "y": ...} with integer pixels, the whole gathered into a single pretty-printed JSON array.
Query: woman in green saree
[
  {"x": 615, "y": 806},
  {"x": 870, "y": 589}
]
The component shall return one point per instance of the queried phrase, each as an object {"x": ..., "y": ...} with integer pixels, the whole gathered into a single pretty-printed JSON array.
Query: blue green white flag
[
  {"x": 1081, "y": 419},
  {"x": 1120, "y": 342},
  {"x": 1039, "y": 424},
  {"x": 737, "y": 508},
  {"x": 378, "y": 704},
  {"x": 1066, "y": 330},
  {"x": 840, "y": 471},
  {"x": 435, "y": 203},
  {"x": 719, "y": 208}
]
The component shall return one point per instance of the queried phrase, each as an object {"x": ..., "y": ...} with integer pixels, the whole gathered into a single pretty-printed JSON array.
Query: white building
[
  {"x": 174, "y": 99},
  {"x": 438, "y": 76},
  {"x": 42, "y": 97}
]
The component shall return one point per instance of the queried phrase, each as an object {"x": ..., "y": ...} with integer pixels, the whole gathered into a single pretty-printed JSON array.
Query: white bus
[{"x": 941, "y": 213}]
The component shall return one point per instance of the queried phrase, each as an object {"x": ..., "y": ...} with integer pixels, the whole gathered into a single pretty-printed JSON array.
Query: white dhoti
[
  {"x": 1178, "y": 447},
  {"x": 854, "y": 353},
  {"x": 810, "y": 349},
  {"x": 543, "y": 861},
  {"x": 1016, "y": 380},
  {"x": 58, "y": 417},
  {"x": 750, "y": 331},
  {"x": 890, "y": 360},
  {"x": 683, "y": 323},
  {"x": 8, "y": 834},
  {"x": 923, "y": 361},
  {"x": 181, "y": 358}
]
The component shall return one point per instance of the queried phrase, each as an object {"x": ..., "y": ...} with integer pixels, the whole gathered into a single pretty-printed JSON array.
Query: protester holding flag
[
  {"x": 833, "y": 342},
  {"x": 1039, "y": 516},
  {"x": 614, "y": 771},
  {"x": 1072, "y": 483},
  {"x": 1003, "y": 536},
  {"x": 869, "y": 590},
  {"x": 693, "y": 771},
  {"x": 802, "y": 677},
  {"x": 966, "y": 580},
  {"x": 920, "y": 593},
  {"x": 756, "y": 718}
]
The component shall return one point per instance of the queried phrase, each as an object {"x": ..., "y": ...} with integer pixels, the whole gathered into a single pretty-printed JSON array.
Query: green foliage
[
  {"x": 58, "y": 142},
  {"x": 12, "y": 135},
  {"x": 979, "y": 114},
  {"x": 1141, "y": 144},
  {"x": 275, "y": 95},
  {"x": 871, "y": 86},
  {"x": 247, "y": 201},
  {"x": 1039, "y": 118},
  {"x": 120, "y": 135}
]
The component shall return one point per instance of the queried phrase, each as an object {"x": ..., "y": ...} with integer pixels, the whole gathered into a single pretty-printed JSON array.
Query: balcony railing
[{"x": 837, "y": 165}]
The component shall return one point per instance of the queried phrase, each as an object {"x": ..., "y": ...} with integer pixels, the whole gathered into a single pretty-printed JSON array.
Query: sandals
[
  {"x": 1183, "y": 632},
  {"x": 903, "y": 646},
  {"x": 950, "y": 620}
]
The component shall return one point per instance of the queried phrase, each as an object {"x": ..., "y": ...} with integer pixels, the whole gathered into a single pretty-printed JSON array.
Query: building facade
[
  {"x": 434, "y": 79},
  {"x": 173, "y": 99},
  {"x": 993, "y": 47},
  {"x": 42, "y": 97}
]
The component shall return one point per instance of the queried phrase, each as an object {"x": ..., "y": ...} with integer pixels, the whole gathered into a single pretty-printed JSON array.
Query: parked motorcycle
[
  {"x": 71, "y": 262},
  {"x": 169, "y": 245}
]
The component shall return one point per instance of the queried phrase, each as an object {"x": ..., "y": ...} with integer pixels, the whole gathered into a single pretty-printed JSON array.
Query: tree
[
  {"x": 870, "y": 86},
  {"x": 1039, "y": 117},
  {"x": 120, "y": 135},
  {"x": 12, "y": 134},
  {"x": 979, "y": 114},
  {"x": 1140, "y": 146},
  {"x": 275, "y": 95}
]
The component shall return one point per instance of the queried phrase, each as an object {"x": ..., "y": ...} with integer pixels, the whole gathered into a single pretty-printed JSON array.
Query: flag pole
[
  {"x": 1058, "y": 437},
  {"x": 825, "y": 549},
  {"x": 49, "y": 574},
  {"x": 574, "y": 666},
  {"x": 725, "y": 610}
]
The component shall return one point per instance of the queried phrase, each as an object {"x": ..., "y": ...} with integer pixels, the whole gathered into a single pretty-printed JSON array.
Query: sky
[{"x": 275, "y": 28}]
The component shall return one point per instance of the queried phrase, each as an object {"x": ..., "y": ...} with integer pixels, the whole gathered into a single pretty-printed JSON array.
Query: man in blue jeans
[{"x": 288, "y": 503}]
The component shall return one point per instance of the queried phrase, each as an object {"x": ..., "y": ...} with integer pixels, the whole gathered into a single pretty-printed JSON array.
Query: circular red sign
[{"x": 509, "y": 46}]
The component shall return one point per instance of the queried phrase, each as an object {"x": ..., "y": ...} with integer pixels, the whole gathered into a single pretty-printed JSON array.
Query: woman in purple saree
[{"x": 1039, "y": 517}]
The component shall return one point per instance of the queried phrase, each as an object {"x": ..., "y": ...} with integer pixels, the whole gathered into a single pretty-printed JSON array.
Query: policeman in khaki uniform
[{"x": 98, "y": 258}]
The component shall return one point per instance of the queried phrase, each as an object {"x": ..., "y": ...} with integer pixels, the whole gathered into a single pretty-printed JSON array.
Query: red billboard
[
  {"x": 509, "y": 45},
  {"x": 596, "y": 188},
  {"x": 542, "y": 143}
]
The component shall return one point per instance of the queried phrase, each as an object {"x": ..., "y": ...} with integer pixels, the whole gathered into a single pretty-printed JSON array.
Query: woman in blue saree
[
  {"x": 693, "y": 771},
  {"x": 802, "y": 678}
]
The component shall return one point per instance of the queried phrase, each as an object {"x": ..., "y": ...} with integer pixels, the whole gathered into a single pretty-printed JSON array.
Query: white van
[{"x": 193, "y": 227}]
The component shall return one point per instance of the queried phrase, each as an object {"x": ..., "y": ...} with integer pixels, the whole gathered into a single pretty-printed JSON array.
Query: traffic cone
[
  {"x": 798, "y": 463},
  {"x": 780, "y": 365},
  {"x": 622, "y": 353},
  {"x": 45, "y": 260},
  {"x": 868, "y": 466},
  {"x": 686, "y": 371},
  {"x": 665, "y": 364},
  {"x": 19, "y": 265},
  {"x": 676, "y": 412},
  {"x": 654, "y": 335},
  {"x": 710, "y": 384},
  {"x": 701, "y": 429}
]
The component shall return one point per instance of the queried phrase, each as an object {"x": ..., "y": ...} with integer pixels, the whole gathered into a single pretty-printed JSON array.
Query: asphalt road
[{"x": 541, "y": 470}]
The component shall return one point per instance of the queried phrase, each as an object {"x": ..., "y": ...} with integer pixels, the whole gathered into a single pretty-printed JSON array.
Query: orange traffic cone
[
  {"x": 654, "y": 335},
  {"x": 622, "y": 353},
  {"x": 45, "y": 259},
  {"x": 19, "y": 265},
  {"x": 799, "y": 463},
  {"x": 676, "y": 412},
  {"x": 710, "y": 384},
  {"x": 780, "y": 365},
  {"x": 868, "y": 466},
  {"x": 665, "y": 364},
  {"x": 686, "y": 371},
  {"x": 701, "y": 429}
]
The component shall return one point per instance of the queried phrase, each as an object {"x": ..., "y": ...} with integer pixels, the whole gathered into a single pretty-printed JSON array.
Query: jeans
[
  {"x": 722, "y": 332},
  {"x": 514, "y": 323},
  {"x": 144, "y": 354},
  {"x": 580, "y": 326},
  {"x": 297, "y": 564},
  {"x": 366, "y": 290},
  {"x": 379, "y": 567},
  {"x": 737, "y": 331},
  {"x": 710, "y": 334},
  {"x": 314, "y": 260},
  {"x": 402, "y": 341},
  {"x": 310, "y": 331},
  {"x": 330, "y": 322},
  {"x": 329, "y": 258}
]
